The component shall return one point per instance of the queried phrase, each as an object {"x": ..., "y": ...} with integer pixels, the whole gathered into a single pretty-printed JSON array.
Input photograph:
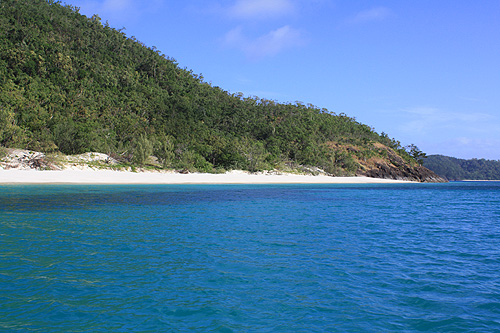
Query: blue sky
[{"x": 425, "y": 72}]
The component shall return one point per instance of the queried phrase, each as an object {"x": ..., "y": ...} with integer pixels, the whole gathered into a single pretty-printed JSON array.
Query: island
[{"x": 72, "y": 85}]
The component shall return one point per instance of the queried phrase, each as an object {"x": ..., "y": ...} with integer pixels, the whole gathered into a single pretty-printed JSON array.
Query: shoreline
[
  {"x": 113, "y": 177},
  {"x": 477, "y": 180}
]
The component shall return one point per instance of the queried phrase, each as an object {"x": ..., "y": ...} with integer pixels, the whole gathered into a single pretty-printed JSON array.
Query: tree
[
  {"x": 143, "y": 148},
  {"x": 416, "y": 153},
  {"x": 254, "y": 153},
  {"x": 164, "y": 150}
]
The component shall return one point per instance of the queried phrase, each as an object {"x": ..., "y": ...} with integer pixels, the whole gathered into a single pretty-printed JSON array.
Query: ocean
[{"x": 250, "y": 258}]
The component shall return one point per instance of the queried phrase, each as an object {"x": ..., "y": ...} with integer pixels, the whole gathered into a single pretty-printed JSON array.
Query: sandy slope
[{"x": 90, "y": 176}]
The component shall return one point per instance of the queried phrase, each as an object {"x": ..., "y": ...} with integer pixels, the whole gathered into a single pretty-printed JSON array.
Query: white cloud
[
  {"x": 269, "y": 44},
  {"x": 261, "y": 9},
  {"x": 374, "y": 14}
]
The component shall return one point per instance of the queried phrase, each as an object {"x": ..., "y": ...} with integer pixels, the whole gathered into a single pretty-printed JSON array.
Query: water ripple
[{"x": 322, "y": 258}]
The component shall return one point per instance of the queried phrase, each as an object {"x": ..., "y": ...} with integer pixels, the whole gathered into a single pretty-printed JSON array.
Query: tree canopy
[{"x": 460, "y": 169}]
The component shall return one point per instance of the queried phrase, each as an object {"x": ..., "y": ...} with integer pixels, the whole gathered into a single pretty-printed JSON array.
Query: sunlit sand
[{"x": 91, "y": 176}]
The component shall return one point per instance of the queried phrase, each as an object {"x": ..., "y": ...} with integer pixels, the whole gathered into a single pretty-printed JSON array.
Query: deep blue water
[{"x": 232, "y": 258}]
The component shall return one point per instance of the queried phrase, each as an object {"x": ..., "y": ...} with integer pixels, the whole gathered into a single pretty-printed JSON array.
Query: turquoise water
[{"x": 232, "y": 258}]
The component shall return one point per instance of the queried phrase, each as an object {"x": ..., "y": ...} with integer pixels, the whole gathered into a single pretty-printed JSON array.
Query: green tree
[
  {"x": 164, "y": 150},
  {"x": 142, "y": 149},
  {"x": 254, "y": 153},
  {"x": 9, "y": 131},
  {"x": 416, "y": 153}
]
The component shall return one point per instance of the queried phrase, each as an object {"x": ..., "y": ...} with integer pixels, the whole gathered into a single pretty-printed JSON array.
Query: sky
[{"x": 425, "y": 72}]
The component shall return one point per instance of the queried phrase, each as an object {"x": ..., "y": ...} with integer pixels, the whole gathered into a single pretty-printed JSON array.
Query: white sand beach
[
  {"x": 17, "y": 167},
  {"x": 93, "y": 176}
]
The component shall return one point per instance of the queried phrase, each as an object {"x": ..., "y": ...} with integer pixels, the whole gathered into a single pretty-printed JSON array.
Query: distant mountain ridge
[
  {"x": 71, "y": 84},
  {"x": 453, "y": 168}
]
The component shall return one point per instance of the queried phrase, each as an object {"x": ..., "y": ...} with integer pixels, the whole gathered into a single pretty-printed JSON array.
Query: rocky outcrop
[
  {"x": 409, "y": 173},
  {"x": 395, "y": 167}
]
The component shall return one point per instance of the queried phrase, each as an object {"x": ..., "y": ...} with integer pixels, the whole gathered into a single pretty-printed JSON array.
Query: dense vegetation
[
  {"x": 459, "y": 169},
  {"x": 72, "y": 84}
]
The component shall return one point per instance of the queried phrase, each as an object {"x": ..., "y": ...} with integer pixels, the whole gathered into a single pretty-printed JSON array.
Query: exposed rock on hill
[
  {"x": 395, "y": 167},
  {"x": 391, "y": 171},
  {"x": 379, "y": 161}
]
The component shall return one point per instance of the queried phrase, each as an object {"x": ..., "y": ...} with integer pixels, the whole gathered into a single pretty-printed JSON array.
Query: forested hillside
[
  {"x": 73, "y": 84},
  {"x": 459, "y": 169}
]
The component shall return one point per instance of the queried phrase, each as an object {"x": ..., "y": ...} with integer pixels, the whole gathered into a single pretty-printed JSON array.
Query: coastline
[
  {"x": 112, "y": 177},
  {"x": 477, "y": 180}
]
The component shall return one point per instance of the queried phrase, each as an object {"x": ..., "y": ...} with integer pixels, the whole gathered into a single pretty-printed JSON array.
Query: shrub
[
  {"x": 143, "y": 148},
  {"x": 164, "y": 150}
]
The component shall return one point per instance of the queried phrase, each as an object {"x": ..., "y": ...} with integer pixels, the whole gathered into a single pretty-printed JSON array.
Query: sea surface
[{"x": 250, "y": 258}]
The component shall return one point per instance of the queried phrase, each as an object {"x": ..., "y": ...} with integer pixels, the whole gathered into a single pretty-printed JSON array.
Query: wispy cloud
[
  {"x": 438, "y": 131},
  {"x": 374, "y": 14},
  {"x": 422, "y": 119},
  {"x": 436, "y": 115},
  {"x": 468, "y": 147},
  {"x": 260, "y": 9},
  {"x": 269, "y": 44}
]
